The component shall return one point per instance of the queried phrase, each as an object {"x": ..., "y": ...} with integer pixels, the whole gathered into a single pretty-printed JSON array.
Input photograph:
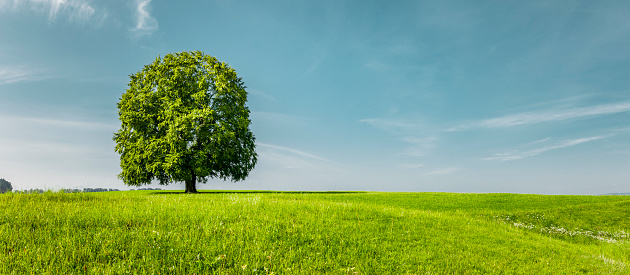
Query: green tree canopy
[
  {"x": 184, "y": 119},
  {"x": 5, "y": 186}
]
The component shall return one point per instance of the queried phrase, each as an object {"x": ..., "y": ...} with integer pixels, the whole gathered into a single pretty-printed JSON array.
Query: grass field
[{"x": 253, "y": 232}]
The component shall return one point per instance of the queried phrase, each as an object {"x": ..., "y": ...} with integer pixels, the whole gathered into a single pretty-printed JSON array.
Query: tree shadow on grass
[{"x": 213, "y": 192}]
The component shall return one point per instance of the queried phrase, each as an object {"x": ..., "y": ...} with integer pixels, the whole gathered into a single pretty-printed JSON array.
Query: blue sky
[{"x": 455, "y": 96}]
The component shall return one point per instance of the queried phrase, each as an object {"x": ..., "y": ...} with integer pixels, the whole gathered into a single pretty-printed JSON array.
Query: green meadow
[{"x": 251, "y": 232}]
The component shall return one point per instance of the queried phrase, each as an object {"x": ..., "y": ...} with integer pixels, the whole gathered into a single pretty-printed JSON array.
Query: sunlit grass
[{"x": 306, "y": 233}]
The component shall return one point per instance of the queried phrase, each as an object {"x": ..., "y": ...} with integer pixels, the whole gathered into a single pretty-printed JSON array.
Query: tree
[
  {"x": 184, "y": 119},
  {"x": 5, "y": 186}
]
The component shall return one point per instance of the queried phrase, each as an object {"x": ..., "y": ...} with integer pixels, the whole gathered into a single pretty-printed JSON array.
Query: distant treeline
[
  {"x": 85, "y": 190},
  {"x": 5, "y": 186}
]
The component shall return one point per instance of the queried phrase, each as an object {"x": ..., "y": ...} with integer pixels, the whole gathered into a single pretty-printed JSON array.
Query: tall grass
[{"x": 312, "y": 233}]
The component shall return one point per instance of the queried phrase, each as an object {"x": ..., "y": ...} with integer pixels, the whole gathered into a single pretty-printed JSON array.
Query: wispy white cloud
[
  {"x": 79, "y": 11},
  {"x": 18, "y": 74},
  {"x": 420, "y": 139},
  {"x": 15, "y": 147},
  {"x": 419, "y": 146},
  {"x": 540, "y": 141},
  {"x": 315, "y": 65},
  {"x": 146, "y": 24},
  {"x": 83, "y": 12},
  {"x": 261, "y": 94},
  {"x": 278, "y": 118},
  {"x": 520, "y": 154},
  {"x": 412, "y": 165},
  {"x": 395, "y": 125},
  {"x": 296, "y": 152},
  {"x": 524, "y": 118},
  {"x": 444, "y": 171},
  {"x": 548, "y": 116},
  {"x": 58, "y": 123}
]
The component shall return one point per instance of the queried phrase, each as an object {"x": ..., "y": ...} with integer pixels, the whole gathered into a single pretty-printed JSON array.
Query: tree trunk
[{"x": 191, "y": 184}]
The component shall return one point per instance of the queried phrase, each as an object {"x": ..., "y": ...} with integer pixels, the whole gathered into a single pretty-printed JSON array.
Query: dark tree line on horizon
[
  {"x": 5, "y": 186},
  {"x": 85, "y": 190}
]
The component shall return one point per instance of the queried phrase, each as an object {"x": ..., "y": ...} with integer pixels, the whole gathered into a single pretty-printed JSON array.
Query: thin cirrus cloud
[
  {"x": 278, "y": 118},
  {"x": 37, "y": 138},
  {"x": 146, "y": 24},
  {"x": 547, "y": 116},
  {"x": 443, "y": 171},
  {"x": 15, "y": 74},
  {"x": 38, "y": 123},
  {"x": 83, "y": 12},
  {"x": 527, "y": 118},
  {"x": 419, "y": 146},
  {"x": 296, "y": 152},
  {"x": 390, "y": 125},
  {"x": 515, "y": 155},
  {"x": 73, "y": 10},
  {"x": 412, "y": 165}
]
